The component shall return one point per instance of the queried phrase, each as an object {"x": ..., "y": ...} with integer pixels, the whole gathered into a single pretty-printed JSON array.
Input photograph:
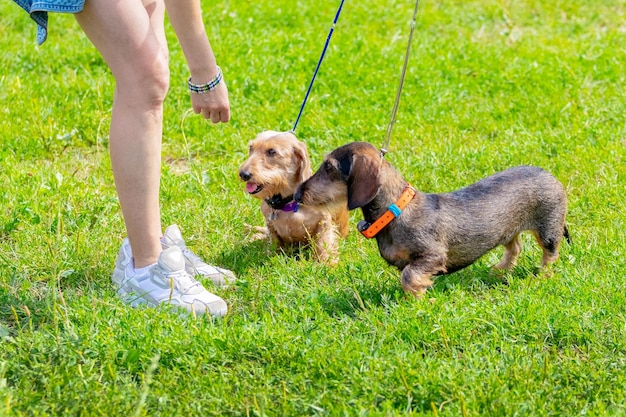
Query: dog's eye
[
  {"x": 250, "y": 150},
  {"x": 328, "y": 166},
  {"x": 271, "y": 152}
]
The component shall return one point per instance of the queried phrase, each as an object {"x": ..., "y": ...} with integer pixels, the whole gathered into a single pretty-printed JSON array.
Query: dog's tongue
[{"x": 251, "y": 187}]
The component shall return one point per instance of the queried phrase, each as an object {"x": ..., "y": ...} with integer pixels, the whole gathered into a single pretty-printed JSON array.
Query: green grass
[{"x": 490, "y": 84}]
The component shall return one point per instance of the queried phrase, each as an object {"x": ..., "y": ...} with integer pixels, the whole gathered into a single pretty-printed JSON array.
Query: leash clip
[{"x": 363, "y": 226}]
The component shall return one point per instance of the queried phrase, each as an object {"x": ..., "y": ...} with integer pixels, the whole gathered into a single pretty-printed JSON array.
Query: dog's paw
[{"x": 258, "y": 232}]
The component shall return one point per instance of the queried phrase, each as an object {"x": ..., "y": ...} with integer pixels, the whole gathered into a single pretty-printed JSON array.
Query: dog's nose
[{"x": 245, "y": 175}]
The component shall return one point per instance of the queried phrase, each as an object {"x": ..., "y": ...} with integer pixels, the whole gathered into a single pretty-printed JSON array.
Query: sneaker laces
[
  {"x": 185, "y": 282},
  {"x": 192, "y": 257}
]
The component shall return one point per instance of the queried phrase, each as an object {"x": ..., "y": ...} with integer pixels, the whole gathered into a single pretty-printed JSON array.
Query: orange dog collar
[{"x": 370, "y": 230}]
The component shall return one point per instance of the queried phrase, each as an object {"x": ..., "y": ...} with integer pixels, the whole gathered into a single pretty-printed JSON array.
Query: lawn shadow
[
  {"x": 387, "y": 291},
  {"x": 257, "y": 253},
  {"x": 481, "y": 277},
  {"x": 348, "y": 301},
  {"x": 242, "y": 257}
]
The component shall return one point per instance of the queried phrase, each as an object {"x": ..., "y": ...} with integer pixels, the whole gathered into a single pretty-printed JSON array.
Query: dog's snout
[{"x": 245, "y": 175}]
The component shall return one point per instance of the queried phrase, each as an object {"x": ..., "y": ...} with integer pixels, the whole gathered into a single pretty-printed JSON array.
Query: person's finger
[
  {"x": 215, "y": 117},
  {"x": 225, "y": 115}
]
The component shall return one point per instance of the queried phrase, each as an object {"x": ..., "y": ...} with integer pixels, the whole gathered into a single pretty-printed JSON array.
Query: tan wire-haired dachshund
[
  {"x": 277, "y": 164},
  {"x": 425, "y": 235}
]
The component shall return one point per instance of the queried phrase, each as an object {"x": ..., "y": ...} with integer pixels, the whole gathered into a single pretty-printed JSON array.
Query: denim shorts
[{"x": 38, "y": 10}]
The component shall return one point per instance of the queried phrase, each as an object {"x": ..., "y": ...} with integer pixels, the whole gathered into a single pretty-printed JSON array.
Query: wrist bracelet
[{"x": 205, "y": 88}]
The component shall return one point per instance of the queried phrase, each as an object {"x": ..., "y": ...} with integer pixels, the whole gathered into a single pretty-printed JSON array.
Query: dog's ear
[
  {"x": 362, "y": 181},
  {"x": 303, "y": 163}
]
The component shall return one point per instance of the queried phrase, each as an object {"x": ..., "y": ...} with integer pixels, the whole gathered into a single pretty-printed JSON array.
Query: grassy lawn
[{"x": 490, "y": 84}]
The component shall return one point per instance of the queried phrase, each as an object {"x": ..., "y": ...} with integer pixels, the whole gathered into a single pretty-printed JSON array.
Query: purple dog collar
[
  {"x": 277, "y": 202},
  {"x": 293, "y": 206}
]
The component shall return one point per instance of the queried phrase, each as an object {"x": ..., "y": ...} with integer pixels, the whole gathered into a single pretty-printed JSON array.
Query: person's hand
[{"x": 213, "y": 105}]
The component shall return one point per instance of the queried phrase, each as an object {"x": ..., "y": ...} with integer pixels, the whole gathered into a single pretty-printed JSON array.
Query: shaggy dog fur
[
  {"x": 277, "y": 164},
  {"x": 442, "y": 233}
]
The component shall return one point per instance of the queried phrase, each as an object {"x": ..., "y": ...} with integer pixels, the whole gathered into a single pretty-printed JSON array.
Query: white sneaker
[
  {"x": 167, "y": 282},
  {"x": 193, "y": 264}
]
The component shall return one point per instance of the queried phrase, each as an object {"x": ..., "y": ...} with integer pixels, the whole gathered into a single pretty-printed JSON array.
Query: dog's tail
[{"x": 566, "y": 234}]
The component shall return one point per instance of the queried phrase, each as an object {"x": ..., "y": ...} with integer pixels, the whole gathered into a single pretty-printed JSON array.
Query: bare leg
[{"x": 130, "y": 36}]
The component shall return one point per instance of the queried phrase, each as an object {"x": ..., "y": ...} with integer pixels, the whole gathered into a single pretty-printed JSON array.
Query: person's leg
[{"x": 130, "y": 37}]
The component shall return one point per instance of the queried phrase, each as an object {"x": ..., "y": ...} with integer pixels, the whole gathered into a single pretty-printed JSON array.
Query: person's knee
[
  {"x": 147, "y": 82},
  {"x": 156, "y": 81}
]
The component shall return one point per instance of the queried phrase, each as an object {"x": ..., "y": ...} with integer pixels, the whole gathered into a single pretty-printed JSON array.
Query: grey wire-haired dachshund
[{"x": 425, "y": 235}]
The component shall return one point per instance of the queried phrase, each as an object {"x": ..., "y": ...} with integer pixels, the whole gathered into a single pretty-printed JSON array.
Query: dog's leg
[
  {"x": 275, "y": 239},
  {"x": 258, "y": 232},
  {"x": 326, "y": 247},
  {"x": 550, "y": 246},
  {"x": 511, "y": 251},
  {"x": 416, "y": 276}
]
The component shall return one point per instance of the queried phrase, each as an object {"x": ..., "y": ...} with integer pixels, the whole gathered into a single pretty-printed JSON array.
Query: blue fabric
[{"x": 38, "y": 10}]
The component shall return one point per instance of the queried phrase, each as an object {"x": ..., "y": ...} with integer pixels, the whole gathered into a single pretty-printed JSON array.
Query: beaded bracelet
[{"x": 205, "y": 88}]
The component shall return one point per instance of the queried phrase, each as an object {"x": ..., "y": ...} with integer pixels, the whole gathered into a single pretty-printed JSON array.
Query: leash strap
[
  {"x": 319, "y": 63},
  {"x": 370, "y": 230},
  {"x": 385, "y": 147}
]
